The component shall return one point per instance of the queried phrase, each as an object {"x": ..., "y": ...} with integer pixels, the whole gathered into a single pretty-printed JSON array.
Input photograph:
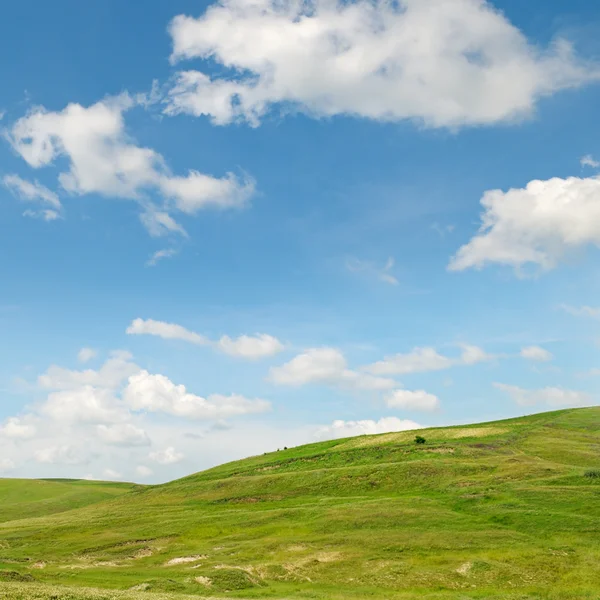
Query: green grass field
[{"x": 507, "y": 510}]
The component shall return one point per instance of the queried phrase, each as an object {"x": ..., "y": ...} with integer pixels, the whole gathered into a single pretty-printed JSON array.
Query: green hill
[{"x": 503, "y": 510}]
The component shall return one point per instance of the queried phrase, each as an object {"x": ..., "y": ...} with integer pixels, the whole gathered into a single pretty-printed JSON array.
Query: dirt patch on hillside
[{"x": 182, "y": 560}]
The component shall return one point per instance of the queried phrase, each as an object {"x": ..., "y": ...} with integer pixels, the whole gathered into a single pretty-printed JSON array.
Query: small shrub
[
  {"x": 594, "y": 474},
  {"x": 419, "y": 439}
]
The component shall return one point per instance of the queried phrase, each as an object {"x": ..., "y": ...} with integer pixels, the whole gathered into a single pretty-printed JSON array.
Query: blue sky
[{"x": 313, "y": 184}]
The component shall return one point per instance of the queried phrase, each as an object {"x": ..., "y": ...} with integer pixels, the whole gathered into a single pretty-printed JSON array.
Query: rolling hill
[{"x": 502, "y": 510}]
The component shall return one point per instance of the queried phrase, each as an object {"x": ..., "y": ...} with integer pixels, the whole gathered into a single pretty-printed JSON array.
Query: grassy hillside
[
  {"x": 504, "y": 510},
  {"x": 26, "y": 498}
]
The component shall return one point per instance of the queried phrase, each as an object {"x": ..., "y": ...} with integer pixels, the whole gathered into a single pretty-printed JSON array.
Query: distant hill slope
[
  {"x": 26, "y": 498},
  {"x": 503, "y": 510}
]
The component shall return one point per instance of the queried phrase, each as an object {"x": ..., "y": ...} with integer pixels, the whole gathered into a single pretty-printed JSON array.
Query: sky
[{"x": 230, "y": 228}]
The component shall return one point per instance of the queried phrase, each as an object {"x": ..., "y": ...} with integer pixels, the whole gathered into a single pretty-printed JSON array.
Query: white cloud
[
  {"x": 112, "y": 373},
  {"x": 588, "y": 161},
  {"x": 197, "y": 191},
  {"x": 160, "y": 255},
  {"x": 550, "y": 396},
  {"x": 99, "y": 419},
  {"x": 251, "y": 347},
  {"x": 539, "y": 224},
  {"x": 6, "y": 464},
  {"x": 17, "y": 428},
  {"x": 413, "y": 400},
  {"x": 326, "y": 366},
  {"x": 111, "y": 475},
  {"x": 65, "y": 454},
  {"x": 536, "y": 353},
  {"x": 46, "y": 214},
  {"x": 123, "y": 434},
  {"x": 143, "y": 471},
  {"x": 86, "y": 354},
  {"x": 254, "y": 347},
  {"x": 159, "y": 223},
  {"x": 384, "y": 275},
  {"x": 582, "y": 311},
  {"x": 472, "y": 355},
  {"x": 419, "y": 360},
  {"x": 446, "y": 63},
  {"x": 31, "y": 192},
  {"x": 157, "y": 393},
  {"x": 103, "y": 159},
  {"x": 168, "y": 331},
  {"x": 316, "y": 365},
  {"x": 168, "y": 456},
  {"x": 426, "y": 359},
  {"x": 84, "y": 404},
  {"x": 341, "y": 429}
]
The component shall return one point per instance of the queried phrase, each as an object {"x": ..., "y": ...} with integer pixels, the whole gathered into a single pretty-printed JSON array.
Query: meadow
[{"x": 508, "y": 510}]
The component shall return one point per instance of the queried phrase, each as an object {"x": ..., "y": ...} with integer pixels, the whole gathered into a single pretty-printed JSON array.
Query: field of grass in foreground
[{"x": 501, "y": 511}]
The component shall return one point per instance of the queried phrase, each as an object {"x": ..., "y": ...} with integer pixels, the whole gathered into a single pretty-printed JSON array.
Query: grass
[{"x": 505, "y": 511}]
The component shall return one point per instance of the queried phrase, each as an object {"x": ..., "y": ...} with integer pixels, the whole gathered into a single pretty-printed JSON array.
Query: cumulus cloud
[
  {"x": 425, "y": 359},
  {"x": 536, "y": 225},
  {"x": 413, "y": 400},
  {"x": 326, "y": 366},
  {"x": 103, "y": 159},
  {"x": 536, "y": 353},
  {"x": 66, "y": 454},
  {"x": 96, "y": 417},
  {"x": 251, "y": 347},
  {"x": 86, "y": 354},
  {"x": 17, "y": 428},
  {"x": 445, "y": 63},
  {"x": 123, "y": 434},
  {"x": 254, "y": 347},
  {"x": 549, "y": 396},
  {"x": 168, "y": 456},
  {"x": 342, "y": 429},
  {"x": 157, "y": 393},
  {"x": 112, "y": 373},
  {"x": 86, "y": 404},
  {"x": 167, "y": 331}
]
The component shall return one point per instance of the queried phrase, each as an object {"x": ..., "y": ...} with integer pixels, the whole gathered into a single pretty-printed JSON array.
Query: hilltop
[{"x": 509, "y": 509}]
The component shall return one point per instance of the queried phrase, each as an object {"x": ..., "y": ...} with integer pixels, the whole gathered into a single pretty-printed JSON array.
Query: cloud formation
[
  {"x": 537, "y": 225},
  {"x": 251, "y": 347},
  {"x": 91, "y": 417},
  {"x": 426, "y": 359},
  {"x": 103, "y": 159},
  {"x": 413, "y": 400},
  {"x": 260, "y": 345},
  {"x": 536, "y": 353},
  {"x": 342, "y": 429},
  {"x": 36, "y": 193},
  {"x": 326, "y": 366},
  {"x": 157, "y": 393},
  {"x": 556, "y": 397},
  {"x": 445, "y": 63}
]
